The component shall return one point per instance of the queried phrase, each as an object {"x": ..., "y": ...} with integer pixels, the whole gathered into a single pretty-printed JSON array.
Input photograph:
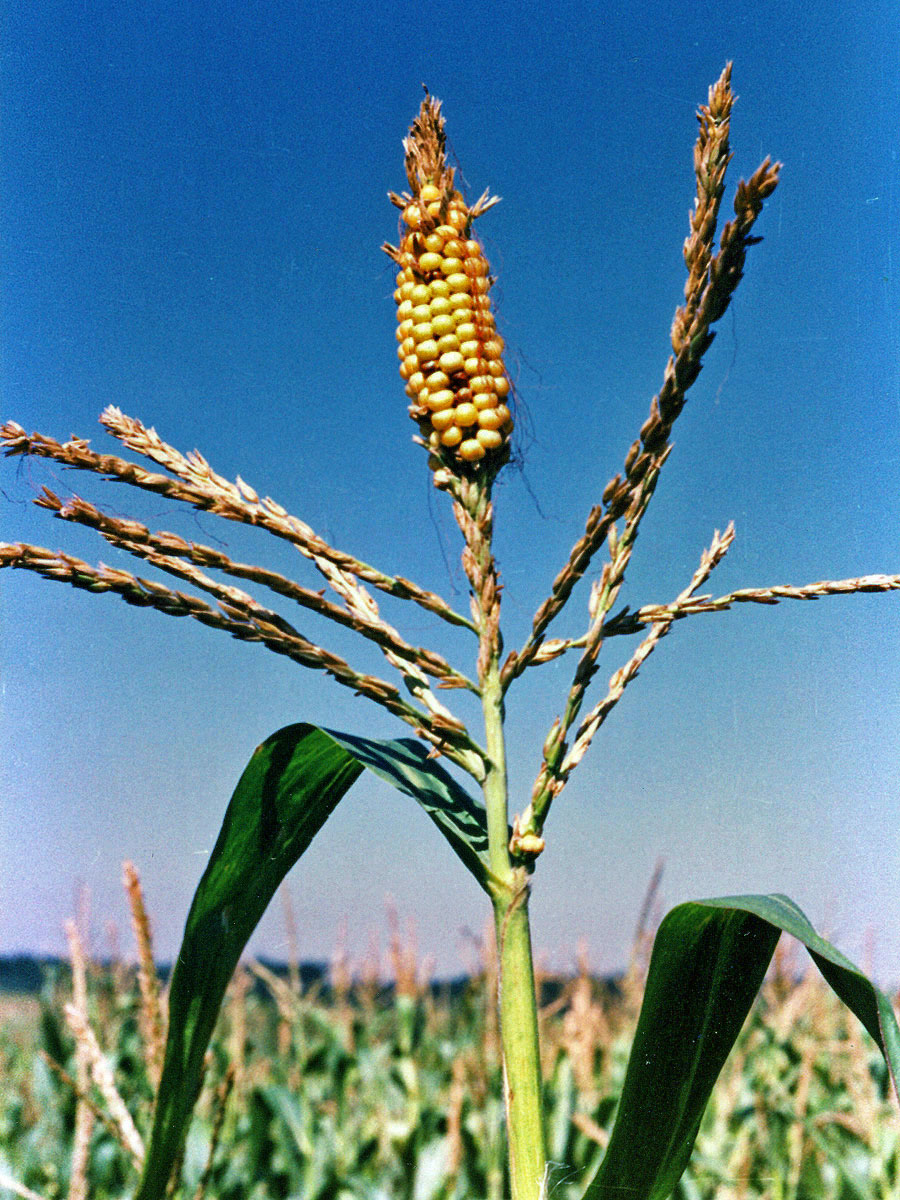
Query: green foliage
[
  {"x": 332, "y": 1101},
  {"x": 290, "y": 786},
  {"x": 404, "y": 763},
  {"x": 709, "y": 959},
  {"x": 708, "y": 963}
]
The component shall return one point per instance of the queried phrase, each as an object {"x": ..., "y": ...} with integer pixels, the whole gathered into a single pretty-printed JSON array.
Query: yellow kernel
[
  {"x": 438, "y": 401},
  {"x": 453, "y": 247},
  {"x": 473, "y": 366},
  {"x": 420, "y": 294},
  {"x": 404, "y": 374},
  {"x": 481, "y": 286},
  {"x": 505, "y": 414},
  {"x": 451, "y": 436},
  {"x": 404, "y": 309},
  {"x": 451, "y": 361},
  {"x": 445, "y": 419},
  {"x": 462, "y": 315},
  {"x": 438, "y": 287},
  {"x": 460, "y": 299},
  {"x": 397, "y": 296},
  {"x": 481, "y": 383},
  {"x": 465, "y": 330},
  {"x": 422, "y": 333},
  {"x": 420, "y": 313},
  {"x": 434, "y": 209},
  {"x": 493, "y": 348},
  {"x": 406, "y": 347},
  {"x": 466, "y": 414},
  {"x": 496, "y": 368},
  {"x": 451, "y": 266},
  {"x": 403, "y": 330},
  {"x": 446, "y": 231},
  {"x": 412, "y": 215},
  {"x": 484, "y": 400},
  {"x": 411, "y": 364},
  {"x": 426, "y": 351},
  {"x": 439, "y": 305},
  {"x": 467, "y": 349},
  {"x": 437, "y": 380},
  {"x": 491, "y": 439},
  {"x": 471, "y": 450},
  {"x": 490, "y": 418},
  {"x": 473, "y": 248},
  {"x": 458, "y": 282},
  {"x": 435, "y": 243},
  {"x": 475, "y": 267},
  {"x": 429, "y": 262},
  {"x": 457, "y": 217},
  {"x": 501, "y": 385},
  {"x": 443, "y": 323},
  {"x": 417, "y": 380},
  {"x": 406, "y": 291},
  {"x": 448, "y": 343},
  {"x": 429, "y": 192}
]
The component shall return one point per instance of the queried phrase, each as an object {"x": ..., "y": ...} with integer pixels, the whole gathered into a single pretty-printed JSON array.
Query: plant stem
[
  {"x": 495, "y": 785},
  {"x": 517, "y": 1001},
  {"x": 509, "y": 876},
  {"x": 521, "y": 1049}
]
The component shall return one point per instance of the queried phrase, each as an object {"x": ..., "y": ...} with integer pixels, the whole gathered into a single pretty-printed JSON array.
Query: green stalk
[
  {"x": 509, "y": 876},
  {"x": 518, "y": 1005},
  {"x": 521, "y": 1050}
]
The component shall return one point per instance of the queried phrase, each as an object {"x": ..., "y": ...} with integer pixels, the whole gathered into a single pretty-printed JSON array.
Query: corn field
[{"x": 387, "y": 1085}]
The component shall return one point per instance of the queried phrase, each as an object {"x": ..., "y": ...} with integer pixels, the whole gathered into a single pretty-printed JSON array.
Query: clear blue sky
[{"x": 195, "y": 199}]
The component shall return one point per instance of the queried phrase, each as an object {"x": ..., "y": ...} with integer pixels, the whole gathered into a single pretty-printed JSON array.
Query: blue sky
[{"x": 196, "y": 196}]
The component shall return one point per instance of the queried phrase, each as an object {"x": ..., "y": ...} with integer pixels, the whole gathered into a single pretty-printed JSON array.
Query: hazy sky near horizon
[{"x": 196, "y": 196}]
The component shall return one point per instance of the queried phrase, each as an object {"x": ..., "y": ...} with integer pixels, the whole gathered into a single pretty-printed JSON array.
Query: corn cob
[{"x": 451, "y": 356}]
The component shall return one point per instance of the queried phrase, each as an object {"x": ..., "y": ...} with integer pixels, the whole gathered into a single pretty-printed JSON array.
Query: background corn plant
[{"x": 371, "y": 1089}]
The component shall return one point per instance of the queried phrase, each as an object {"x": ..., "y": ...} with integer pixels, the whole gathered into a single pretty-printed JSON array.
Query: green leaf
[
  {"x": 290, "y": 787},
  {"x": 405, "y": 763},
  {"x": 709, "y": 959}
]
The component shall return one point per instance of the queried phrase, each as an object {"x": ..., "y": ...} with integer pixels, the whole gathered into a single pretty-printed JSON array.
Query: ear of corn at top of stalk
[{"x": 451, "y": 356}]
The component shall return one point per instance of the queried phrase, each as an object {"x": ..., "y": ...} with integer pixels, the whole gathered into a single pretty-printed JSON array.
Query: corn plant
[{"x": 709, "y": 956}]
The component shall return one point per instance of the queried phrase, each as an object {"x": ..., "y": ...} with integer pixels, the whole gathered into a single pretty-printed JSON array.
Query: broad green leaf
[
  {"x": 708, "y": 961},
  {"x": 405, "y": 763},
  {"x": 291, "y": 785}
]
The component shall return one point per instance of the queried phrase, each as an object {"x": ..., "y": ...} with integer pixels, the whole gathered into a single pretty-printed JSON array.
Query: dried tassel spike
[
  {"x": 84, "y": 1116},
  {"x": 151, "y": 1016},
  {"x": 102, "y": 1076}
]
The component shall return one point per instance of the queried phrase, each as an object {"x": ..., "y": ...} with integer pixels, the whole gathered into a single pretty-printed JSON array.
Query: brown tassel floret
[{"x": 451, "y": 356}]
